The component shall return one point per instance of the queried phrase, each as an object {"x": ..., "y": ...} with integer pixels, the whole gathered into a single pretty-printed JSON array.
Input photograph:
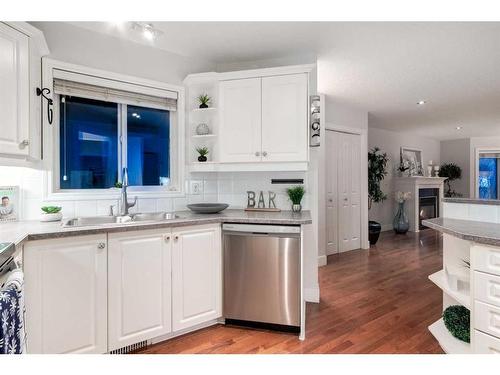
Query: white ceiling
[{"x": 383, "y": 68}]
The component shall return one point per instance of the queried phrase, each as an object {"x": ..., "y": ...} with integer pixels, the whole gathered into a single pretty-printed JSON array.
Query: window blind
[{"x": 70, "y": 84}]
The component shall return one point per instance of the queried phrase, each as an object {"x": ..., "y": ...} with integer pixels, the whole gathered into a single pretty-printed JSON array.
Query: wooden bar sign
[{"x": 261, "y": 203}]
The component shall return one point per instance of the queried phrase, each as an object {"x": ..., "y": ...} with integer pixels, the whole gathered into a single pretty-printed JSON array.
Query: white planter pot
[{"x": 51, "y": 217}]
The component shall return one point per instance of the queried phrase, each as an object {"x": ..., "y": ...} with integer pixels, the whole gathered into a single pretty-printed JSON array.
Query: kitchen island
[
  {"x": 119, "y": 287},
  {"x": 471, "y": 272}
]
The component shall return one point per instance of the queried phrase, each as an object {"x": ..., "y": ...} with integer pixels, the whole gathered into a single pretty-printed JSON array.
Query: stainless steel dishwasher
[{"x": 262, "y": 275}]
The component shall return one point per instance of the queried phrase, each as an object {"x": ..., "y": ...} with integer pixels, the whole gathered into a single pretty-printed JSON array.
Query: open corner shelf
[
  {"x": 204, "y": 136},
  {"x": 209, "y": 109},
  {"x": 461, "y": 296},
  {"x": 450, "y": 344}
]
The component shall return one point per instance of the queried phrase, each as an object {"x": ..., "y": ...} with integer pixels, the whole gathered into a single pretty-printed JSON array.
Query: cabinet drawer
[
  {"x": 487, "y": 318},
  {"x": 486, "y": 344},
  {"x": 486, "y": 259},
  {"x": 487, "y": 288}
]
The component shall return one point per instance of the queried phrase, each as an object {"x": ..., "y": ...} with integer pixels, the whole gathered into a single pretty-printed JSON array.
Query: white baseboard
[
  {"x": 187, "y": 330},
  {"x": 322, "y": 260},
  {"x": 311, "y": 294}
]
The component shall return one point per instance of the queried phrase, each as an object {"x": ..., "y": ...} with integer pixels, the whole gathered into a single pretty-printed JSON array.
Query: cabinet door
[
  {"x": 139, "y": 286},
  {"x": 240, "y": 120},
  {"x": 66, "y": 304},
  {"x": 284, "y": 118},
  {"x": 196, "y": 276},
  {"x": 14, "y": 93}
]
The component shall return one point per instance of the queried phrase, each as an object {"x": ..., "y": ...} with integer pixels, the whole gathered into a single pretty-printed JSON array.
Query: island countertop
[
  {"x": 491, "y": 202},
  {"x": 475, "y": 231},
  {"x": 17, "y": 232}
]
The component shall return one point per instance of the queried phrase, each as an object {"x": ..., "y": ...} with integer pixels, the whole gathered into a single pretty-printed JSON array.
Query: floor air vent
[{"x": 130, "y": 348}]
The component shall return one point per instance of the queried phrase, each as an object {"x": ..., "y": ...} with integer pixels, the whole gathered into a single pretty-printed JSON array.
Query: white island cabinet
[
  {"x": 66, "y": 295},
  {"x": 139, "y": 286},
  {"x": 196, "y": 275}
]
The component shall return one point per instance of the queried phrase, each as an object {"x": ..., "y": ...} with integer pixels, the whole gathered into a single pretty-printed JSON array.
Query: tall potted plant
[
  {"x": 452, "y": 172},
  {"x": 377, "y": 170}
]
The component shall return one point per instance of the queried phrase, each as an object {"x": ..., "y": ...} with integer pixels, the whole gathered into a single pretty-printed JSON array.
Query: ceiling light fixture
[
  {"x": 421, "y": 102},
  {"x": 147, "y": 30},
  {"x": 458, "y": 127}
]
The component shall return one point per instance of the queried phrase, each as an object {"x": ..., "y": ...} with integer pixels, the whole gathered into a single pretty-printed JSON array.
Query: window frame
[
  {"x": 478, "y": 152},
  {"x": 51, "y": 140}
]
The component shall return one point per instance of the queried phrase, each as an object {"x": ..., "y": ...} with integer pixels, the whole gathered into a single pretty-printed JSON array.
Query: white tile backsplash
[{"x": 220, "y": 187}]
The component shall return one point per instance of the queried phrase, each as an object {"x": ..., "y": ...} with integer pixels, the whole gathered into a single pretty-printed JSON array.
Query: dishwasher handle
[{"x": 268, "y": 230}]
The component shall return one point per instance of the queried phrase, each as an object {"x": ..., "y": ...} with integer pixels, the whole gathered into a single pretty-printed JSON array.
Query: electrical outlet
[{"x": 196, "y": 187}]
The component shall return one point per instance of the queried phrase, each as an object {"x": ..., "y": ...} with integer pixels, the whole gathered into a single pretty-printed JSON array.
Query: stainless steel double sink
[{"x": 131, "y": 218}]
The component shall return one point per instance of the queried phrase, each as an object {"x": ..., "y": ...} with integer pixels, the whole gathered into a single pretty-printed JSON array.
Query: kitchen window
[{"x": 104, "y": 125}]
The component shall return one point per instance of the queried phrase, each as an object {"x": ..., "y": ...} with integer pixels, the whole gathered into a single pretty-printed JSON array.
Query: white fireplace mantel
[{"x": 413, "y": 184}]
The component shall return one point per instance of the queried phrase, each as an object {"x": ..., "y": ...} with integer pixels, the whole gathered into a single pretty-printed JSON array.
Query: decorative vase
[
  {"x": 202, "y": 158},
  {"x": 202, "y": 129},
  {"x": 374, "y": 230},
  {"x": 296, "y": 207},
  {"x": 401, "y": 223},
  {"x": 203, "y": 105},
  {"x": 51, "y": 217}
]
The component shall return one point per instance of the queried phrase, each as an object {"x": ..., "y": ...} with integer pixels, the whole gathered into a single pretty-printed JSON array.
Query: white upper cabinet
[
  {"x": 264, "y": 119},
  {"x": 284, "y": 118},
  {"x": 240, "y": 124},
  {"x": 21, "y": 49},
  {"x": 66, "y": 295},
  {"x": 196, "y": 276},
  {"x": 139, "y": 286},
  {"x": 15, "y": 91}
]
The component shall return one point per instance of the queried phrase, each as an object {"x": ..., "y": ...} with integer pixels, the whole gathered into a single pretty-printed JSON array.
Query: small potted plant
[
  {"x": 204, "y": 99},
  {"x": 51, "y": 213},
  {"x": 295, "y": 195},
  {"x": 203, "y": 151}
]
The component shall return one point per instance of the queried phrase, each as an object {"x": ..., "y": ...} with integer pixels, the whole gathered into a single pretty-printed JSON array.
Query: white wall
[
  {"x": 457, "y": 151},
  {"x": 391, "y": 142}
]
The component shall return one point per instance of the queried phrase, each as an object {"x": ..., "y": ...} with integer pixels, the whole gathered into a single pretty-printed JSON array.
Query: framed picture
[
  {"x": 411, "y": 158},
  {"x": 9, "y": 205}
]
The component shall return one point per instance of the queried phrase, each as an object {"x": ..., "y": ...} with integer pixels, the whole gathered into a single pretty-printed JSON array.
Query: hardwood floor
[{"x": 372, "y": 301}]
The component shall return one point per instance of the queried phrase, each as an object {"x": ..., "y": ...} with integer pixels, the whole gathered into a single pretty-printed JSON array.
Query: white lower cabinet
[
  {"x": 196, "y": 275},
  {"x": 486, "y": 344},
  {"x": 98, "y": 293},
  {"x": 65, "y": 295},
  {"x": 139, "y": 286}
]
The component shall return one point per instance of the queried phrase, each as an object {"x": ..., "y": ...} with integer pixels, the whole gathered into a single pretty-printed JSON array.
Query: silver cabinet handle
[
  {"x": 257, "y": 153},
  {"x": 167, "y": 238},
  {"x": 25, "y": 143},
  {"x": 176, "y": 238},
  {"x": 264, "y": 153},
  {"x": 101, "y": 245}
]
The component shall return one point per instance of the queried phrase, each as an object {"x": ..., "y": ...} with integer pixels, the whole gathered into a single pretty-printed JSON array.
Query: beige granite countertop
[
  {"x": 17, "y": 232},
  {"x": 476, "y": 231}
]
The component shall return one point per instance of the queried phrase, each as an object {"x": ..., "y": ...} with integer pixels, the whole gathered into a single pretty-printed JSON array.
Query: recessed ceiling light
[
  {"x": 421, "y": 102},
  {"x": 147, "y": 30},
  {"x": 458, "y": 127}
]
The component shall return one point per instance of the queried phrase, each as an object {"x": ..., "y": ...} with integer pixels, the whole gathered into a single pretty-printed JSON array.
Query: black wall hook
[{"x": 50, "y": 102}]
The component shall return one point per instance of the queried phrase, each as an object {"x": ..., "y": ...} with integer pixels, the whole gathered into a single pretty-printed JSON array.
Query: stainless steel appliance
[{"x": 262, "y": 275}]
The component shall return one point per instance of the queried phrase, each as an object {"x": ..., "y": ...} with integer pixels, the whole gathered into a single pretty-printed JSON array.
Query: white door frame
[{"x": 363, "y": 133}]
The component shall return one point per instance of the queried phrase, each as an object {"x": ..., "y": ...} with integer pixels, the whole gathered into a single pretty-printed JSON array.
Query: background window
[
  {"x": 88, "y": 143},
  {"x": 488, "y": 178},
  {"x": 148, "y": 146}
]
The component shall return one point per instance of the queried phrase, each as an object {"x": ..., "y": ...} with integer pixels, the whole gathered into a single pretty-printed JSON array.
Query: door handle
[
  {"x": 264, "y": 153},
  {"x": 257, "y": 153},
  {"x": 101, "y": 245},
  {"x": 167, "y": 238},
  {"x": 176, "y": 238}
]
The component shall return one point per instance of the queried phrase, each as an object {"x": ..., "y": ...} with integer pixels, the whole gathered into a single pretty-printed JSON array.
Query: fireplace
[{"x": 428, "y": 205}]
